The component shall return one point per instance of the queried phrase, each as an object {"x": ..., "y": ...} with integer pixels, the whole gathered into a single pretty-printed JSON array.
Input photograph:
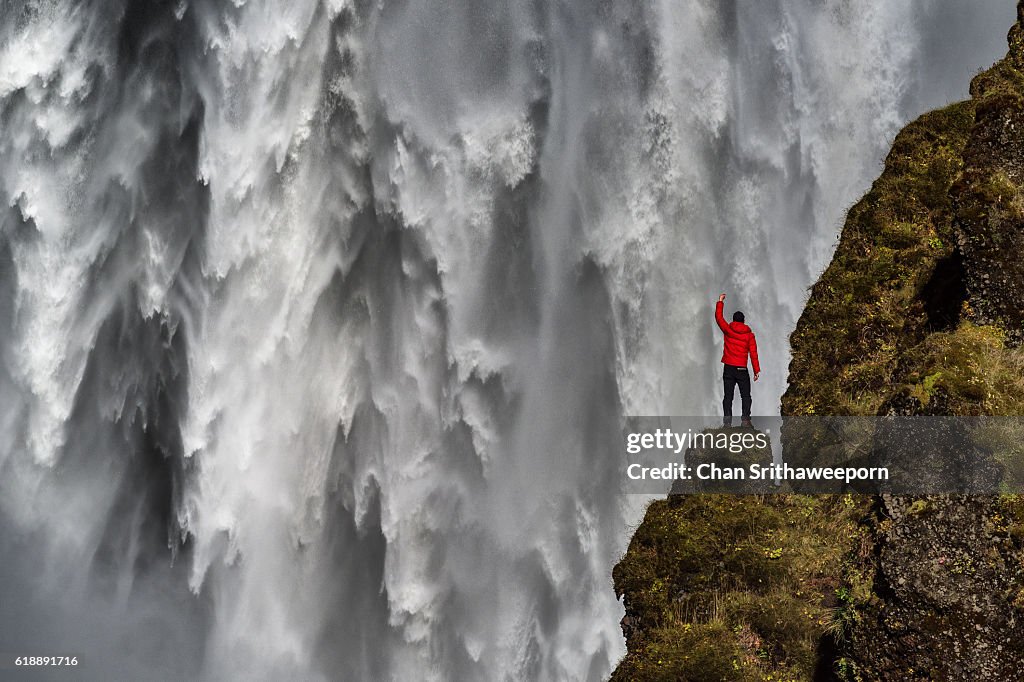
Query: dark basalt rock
[
  {"x": 989, "y": 198},
  {"x": 946, "y": 575}
]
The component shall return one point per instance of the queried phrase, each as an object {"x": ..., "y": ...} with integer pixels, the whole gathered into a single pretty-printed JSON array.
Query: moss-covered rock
[
  {"x": 989, "y": 197},
  {"x": 933, "y": 326},
  {"x": 895, "y": 276},
  {"x": 735, "y": 587}
]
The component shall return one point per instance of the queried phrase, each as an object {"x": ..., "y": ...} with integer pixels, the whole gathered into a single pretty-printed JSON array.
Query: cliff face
[
  {"x": 988, "y": 196},
  {"x": 920, "y": 312},
  {"x": 923, "y": 297},
  {"x": 920, "y": 308}
]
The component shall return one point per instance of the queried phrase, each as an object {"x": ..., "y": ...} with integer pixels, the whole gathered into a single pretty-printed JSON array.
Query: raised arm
[{"x": 719, "y": 317}]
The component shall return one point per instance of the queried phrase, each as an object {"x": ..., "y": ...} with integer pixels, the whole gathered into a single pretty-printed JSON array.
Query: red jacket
[{"x": 739, "y": 340}]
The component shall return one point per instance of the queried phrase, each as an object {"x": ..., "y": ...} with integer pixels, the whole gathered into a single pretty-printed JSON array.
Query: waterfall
[{"x": 318, "y": 319}]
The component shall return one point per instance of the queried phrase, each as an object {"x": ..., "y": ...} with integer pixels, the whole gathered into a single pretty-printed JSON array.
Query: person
[{"x": 739, "y": 343}]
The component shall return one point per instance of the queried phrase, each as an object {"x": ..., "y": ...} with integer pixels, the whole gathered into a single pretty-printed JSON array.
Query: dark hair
[{"x": 737, "y": 317}]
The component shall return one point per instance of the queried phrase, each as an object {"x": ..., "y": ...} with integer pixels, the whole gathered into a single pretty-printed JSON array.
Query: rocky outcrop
[
  {"x": 989, "y": 197},
  {"x": 925, "y": 288},
  {"x": 943, "y": 599},
  {"x": 735, "y": 587}
]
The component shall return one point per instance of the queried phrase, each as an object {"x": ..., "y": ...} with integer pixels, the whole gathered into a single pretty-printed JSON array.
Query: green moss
[
  {"x": 1002, "y": 85},
  {"x": 1012, "y": 516},
  {"x": 865, "y": 310},
  {"x": 846, "y": 670},
  {"x": 917, "y": 507},
  {"x": 692, "y": 652},
  {"x": 970, "y": 370},
  {"x": 751, "y": 577}
]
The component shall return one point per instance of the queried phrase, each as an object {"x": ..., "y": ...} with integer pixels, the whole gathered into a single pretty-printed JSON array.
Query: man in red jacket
[{"x": 739, "y": 342}]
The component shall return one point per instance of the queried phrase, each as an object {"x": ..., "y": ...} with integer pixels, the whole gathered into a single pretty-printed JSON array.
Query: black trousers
[{"x": 733, "y": 377}]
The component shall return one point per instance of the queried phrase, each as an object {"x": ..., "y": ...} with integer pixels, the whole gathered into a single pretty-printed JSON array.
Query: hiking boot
[{"x": 746, "y": 423}]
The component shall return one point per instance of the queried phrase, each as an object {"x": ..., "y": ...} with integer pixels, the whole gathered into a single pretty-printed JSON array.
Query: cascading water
[{"x": 318, "y": 319}]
